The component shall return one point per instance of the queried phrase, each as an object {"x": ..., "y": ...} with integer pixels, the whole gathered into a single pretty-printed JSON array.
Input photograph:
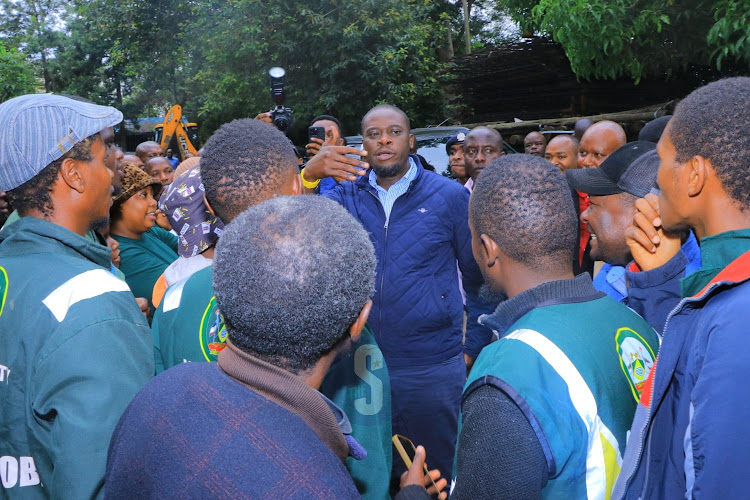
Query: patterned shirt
[{"x": 388, "y": 197}]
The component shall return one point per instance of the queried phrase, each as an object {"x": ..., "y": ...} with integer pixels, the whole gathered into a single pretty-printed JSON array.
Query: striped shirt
[{"x": 388, "y": 197}]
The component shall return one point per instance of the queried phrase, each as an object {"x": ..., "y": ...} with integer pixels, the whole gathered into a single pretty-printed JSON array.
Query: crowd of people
[{"x": 562, "y": 323}]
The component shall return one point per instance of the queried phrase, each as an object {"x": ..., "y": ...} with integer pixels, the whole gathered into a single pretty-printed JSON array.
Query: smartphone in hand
[
  {"x": 319, "y": 132},
  {"x": 407, "y": 450}
]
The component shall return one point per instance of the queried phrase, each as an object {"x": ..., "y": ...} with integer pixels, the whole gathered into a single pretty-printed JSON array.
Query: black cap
[
  {"x": 630, "y": 169},
  {"x": 455, "y": 139},
  {"x": 651, "y": 132}
]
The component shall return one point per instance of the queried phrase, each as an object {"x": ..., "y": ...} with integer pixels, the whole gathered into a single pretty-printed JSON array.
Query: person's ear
[
  {"x": 208, "y": 205},
  {"x": 699, "y": 170},
  {"x": 489, "y": 250},
  {"x": 412, "y": 142},
  {"x": 71, "y": 172},
  {"x": 356, "y": 329}
]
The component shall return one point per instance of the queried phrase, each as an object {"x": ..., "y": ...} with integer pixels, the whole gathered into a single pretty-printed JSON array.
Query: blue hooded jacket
[{"x": 417, "y": 310}]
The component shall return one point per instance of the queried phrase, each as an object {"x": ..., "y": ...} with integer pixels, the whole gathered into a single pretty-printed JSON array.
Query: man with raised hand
[
  {"x": 419, "y": 225},
  {"x": 85, "y": 347}
]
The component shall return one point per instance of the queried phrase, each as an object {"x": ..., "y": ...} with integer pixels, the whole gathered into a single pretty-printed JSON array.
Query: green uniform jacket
[
  {"x": 74, "y": 350},
  {"x": 144, "y": 260},
  {"x": 188, "y": 327},
  {"x": 575, "y": 368}
]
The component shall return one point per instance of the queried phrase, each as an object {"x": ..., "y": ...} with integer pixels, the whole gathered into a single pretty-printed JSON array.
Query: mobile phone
[
  {"x": 407, "y": 450},
  {"x": 319, "y": 132}
]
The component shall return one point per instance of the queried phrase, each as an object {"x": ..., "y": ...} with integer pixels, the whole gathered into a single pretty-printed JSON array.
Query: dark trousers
[{"x": 425, "y": 401}]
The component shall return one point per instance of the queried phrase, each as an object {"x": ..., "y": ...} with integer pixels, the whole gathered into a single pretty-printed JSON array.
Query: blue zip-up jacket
[
  {"x": 417, "y": 310},
  {"x": 689, "y": 437},
  {"x": 654, "y": 293}
]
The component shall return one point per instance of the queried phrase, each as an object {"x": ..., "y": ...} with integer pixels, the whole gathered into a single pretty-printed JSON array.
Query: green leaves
[{"x": 16, "y": 75}]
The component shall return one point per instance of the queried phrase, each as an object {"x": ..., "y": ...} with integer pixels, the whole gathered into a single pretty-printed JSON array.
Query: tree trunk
[{"x": 445, "y": 52}]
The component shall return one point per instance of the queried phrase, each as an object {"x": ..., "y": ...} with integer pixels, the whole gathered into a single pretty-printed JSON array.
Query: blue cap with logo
[{"x": 37, "y": 129}]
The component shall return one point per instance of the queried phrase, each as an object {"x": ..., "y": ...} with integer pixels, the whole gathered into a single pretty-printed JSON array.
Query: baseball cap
[
  {"x": 651, "y": 132},
  {"x": 455, "y": 139},
  {"x": 37, "y": 129},
  {"x": 630, "y": 169}
]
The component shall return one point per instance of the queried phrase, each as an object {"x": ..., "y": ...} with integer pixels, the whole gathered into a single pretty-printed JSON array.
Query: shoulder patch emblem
[
  {"x": 213, "y": 332},
  {"x": 636, "y": 359},
  {"x": 3, "y": 289}
]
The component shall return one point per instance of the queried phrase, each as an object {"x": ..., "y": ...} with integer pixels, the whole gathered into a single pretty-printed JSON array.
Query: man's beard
[
  {"x": 99, "y": 224},
  {"x": 489, "y": 296},
  {"x": 382, "y": 171}
]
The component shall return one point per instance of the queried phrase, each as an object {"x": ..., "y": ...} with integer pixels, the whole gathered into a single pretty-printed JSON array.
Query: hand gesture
[
  {"x": 650, "y": 246},
  {"x": 415, "y": 475},
  {"x": 314, "y": 147},
  {"x": 331, "y": 161}
]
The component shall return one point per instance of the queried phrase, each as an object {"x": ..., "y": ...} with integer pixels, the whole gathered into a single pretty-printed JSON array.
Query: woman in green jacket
[{"x": 145, "y": 250}]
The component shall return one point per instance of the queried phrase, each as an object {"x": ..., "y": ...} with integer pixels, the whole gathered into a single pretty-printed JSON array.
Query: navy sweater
[{"x": 417, "y": 310}]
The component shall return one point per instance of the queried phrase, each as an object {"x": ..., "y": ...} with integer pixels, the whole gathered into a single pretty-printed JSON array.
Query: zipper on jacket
[
  {"x": 641, "y": 443},
  {"x": 385, "y": 253},
  {"x": 647, "y": 423}
]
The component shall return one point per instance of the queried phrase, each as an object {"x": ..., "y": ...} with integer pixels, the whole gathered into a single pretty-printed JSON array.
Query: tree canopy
[{"x": 341, "y": 57}]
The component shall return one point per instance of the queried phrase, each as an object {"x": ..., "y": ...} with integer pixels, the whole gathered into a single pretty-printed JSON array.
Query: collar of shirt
[{"x": 388, "y": 197}]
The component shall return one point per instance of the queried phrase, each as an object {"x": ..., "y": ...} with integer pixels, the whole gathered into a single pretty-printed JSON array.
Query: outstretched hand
[
  {"x": 331, "y": 161},
  {"x": 415, "y": 475},
  {"x": 650, "y": 246}
]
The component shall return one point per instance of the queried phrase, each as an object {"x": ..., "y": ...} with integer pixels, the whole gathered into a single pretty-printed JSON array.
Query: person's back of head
[
  {"x": 246, "y": 162},
  {"x": 523, "y": 204},
  {"x": 279, "y": 282}
]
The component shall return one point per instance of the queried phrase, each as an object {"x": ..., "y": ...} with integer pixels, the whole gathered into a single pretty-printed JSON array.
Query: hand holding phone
[
  {"x": 317, "y": 136},
  {"x": 407, "y": 451}
]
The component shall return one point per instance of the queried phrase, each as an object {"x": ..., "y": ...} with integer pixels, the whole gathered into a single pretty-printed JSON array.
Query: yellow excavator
[{"x": 175, "y": 126}]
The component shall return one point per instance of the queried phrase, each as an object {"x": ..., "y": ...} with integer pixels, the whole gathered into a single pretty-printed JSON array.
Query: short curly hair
[
  {"x": 525, "y": 205},
  {"x": 244, "y": 163},
  {"x": 35, "y": 194},
  {"x": 712, "y": 122},
  {"x": 291, "y": 275}
]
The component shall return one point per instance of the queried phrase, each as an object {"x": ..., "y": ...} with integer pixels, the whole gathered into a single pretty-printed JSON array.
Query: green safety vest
[{"x": 576, "y": 370}]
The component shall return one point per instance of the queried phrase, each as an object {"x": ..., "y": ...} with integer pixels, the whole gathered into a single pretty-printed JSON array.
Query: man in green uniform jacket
[
  {"x": 546, "y": 408},
  {"x": 74, "y": 346},
  {"x": 243, "y": 164}
]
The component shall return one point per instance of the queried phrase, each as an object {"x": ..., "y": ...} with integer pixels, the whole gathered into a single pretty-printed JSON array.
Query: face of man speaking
[{"x": 387, "y": 139}]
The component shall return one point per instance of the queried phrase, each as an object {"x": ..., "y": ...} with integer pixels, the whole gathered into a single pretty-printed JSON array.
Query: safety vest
[{"x": 576, "y": 371}]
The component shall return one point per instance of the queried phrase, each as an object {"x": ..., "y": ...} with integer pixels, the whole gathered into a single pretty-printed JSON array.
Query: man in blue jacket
[
  {"x": 690, "y": 436},
  {"x": 614, "y": 188},
  {"x": 418, "y": 223}
]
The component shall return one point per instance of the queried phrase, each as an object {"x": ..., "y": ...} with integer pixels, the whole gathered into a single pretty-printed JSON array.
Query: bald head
[
  {"x": 134, "y": 160},
  {"x": 147, "y": 150},
  {"x": 562, "y": 152},
  {"x": 534, "y": 144},
  {"x": 482, "y": 146},
  {"x": 598, "y": 142}
]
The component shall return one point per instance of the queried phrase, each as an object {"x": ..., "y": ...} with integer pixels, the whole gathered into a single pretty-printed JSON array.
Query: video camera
[{"x": 283, "y": 118}]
